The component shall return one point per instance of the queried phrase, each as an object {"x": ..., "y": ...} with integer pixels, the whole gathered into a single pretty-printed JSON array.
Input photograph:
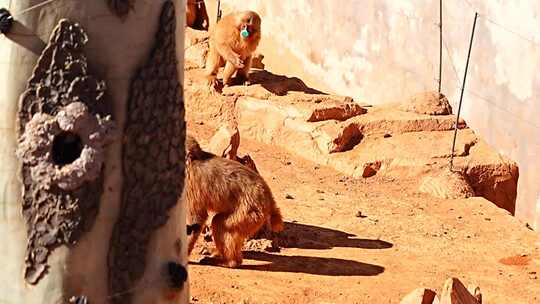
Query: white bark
[{"x": 115, "y": 50}]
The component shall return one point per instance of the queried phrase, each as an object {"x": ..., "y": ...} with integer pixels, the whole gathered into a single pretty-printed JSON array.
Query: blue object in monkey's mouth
[{"x": 244, "y": 33}]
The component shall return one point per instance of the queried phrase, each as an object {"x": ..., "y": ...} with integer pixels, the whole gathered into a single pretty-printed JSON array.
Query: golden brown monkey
[
  {"x": 196, "y": 15},
  {"x": 239, "y": 197},
  {"x": 232, "y": 43}
]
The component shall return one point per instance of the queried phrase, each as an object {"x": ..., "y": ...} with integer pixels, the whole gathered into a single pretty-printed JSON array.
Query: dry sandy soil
[
  {"x": 358, "y": 240},
  {"x": 370, "y": 241}
]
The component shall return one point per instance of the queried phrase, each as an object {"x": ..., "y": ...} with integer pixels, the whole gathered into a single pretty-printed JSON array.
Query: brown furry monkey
[
  {"x": 239, "y": 197},
  {"x": 196, "y": 15},
  {"x": 232, "y": 43}
]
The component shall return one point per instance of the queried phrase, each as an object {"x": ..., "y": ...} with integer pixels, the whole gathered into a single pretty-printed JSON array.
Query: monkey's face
[{"x": 249, "y": 26}]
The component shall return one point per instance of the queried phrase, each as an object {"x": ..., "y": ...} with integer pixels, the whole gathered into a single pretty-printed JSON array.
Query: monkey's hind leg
[
  {"x": 242, "y": 75},
  {"x": 231, "y": 230},
  {"x": 228, "y": 242},
  {"x": 197, "y": 222}
]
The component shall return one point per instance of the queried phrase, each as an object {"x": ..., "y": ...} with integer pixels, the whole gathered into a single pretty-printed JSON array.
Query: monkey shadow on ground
[
  {"x": 280, "y": 84},
  {"x": 310, "y": 265},
  {"x": 303, "y": 236}
]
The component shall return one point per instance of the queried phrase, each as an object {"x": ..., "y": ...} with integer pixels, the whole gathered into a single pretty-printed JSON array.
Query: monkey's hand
[
  {"x": 213, "y": 84},
  {"x": 237, "y": 61}
]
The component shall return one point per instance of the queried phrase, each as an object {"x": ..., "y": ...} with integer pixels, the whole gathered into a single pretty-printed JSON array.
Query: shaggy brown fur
[
  {"x": 239, "y": 197},
  {"x": 229, "y": 48}
]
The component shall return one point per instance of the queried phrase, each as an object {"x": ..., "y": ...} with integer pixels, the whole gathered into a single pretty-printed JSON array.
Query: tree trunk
[{"x": 92, "y": 151}]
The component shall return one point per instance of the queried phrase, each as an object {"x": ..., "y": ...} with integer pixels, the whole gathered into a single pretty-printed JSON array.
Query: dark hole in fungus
[{"x": 67, "y": 147}]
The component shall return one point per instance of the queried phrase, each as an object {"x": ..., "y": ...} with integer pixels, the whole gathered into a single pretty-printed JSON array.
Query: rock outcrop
[
  {"x": 431, "y": 103},
  {"x": 404, "y": 140}
]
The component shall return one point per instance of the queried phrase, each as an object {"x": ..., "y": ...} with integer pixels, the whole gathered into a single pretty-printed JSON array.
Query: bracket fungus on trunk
[
  {"x": 152, "y": 158},
  {"x": 63, "y": 132},
  {"x": 66, "y": 150}
]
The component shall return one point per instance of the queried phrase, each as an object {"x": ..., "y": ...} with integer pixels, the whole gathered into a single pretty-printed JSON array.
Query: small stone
[
  {"x": 370, "y": 169},
  {"x": 420, "y": 296},
  {"x": 288, "y": 196},
  {"x": 360, "y": 215},
  {"x": 225, "y": 142},
  {"x": 454, "y": 292}
]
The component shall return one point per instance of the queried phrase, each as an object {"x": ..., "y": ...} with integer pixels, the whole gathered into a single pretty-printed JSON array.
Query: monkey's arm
[{"x": 243, "y": 73}]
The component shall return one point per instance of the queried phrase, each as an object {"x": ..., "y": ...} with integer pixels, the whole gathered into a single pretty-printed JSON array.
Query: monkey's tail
[{"x": 276, "y": 220}]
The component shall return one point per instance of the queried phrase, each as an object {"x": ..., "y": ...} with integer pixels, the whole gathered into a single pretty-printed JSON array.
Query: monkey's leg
[
  {"x": 213, "y": 63},
  {"x": 218, "y": 231},
  {"x": 228, "y": 72},
  {"x": 195, "y": 219},
  {"x": 228, "y": 242},
  {"x": 243, "y": 74}
]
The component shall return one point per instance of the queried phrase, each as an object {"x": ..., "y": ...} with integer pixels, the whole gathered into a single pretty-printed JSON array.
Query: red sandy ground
[{"x": 369, "y": 241}]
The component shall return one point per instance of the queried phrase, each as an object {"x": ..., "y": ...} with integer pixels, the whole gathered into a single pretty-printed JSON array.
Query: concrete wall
[{"x": 383, "y": 50}]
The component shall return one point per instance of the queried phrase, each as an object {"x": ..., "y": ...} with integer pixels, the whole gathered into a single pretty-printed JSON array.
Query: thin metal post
[
  {"x": 440, "y": 44},
  {"x": 462, "y": 90},
  {"x": 218, "y": 11}
]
